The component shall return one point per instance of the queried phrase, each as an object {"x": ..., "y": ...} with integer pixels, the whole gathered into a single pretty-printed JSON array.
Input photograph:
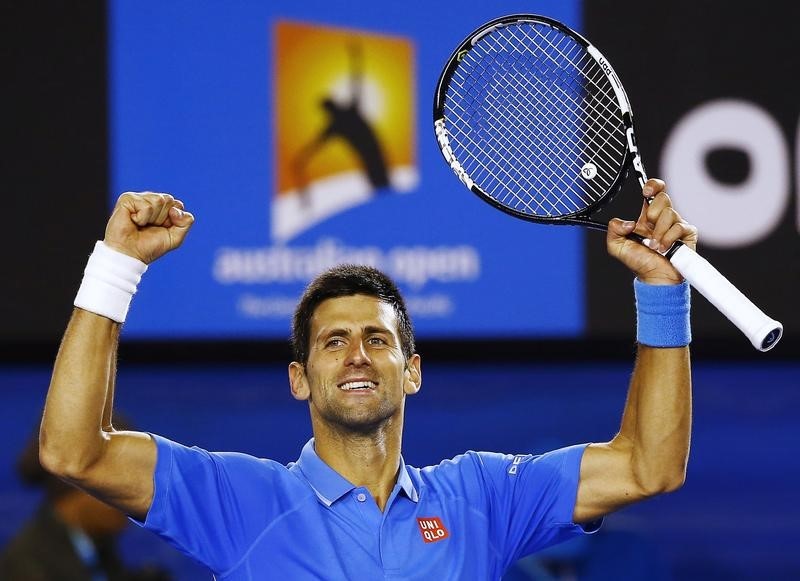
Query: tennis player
[{"x": 350, "y": 507}]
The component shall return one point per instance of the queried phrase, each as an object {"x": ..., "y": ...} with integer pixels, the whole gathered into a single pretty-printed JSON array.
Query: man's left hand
[{"x": 659, "y": 222}]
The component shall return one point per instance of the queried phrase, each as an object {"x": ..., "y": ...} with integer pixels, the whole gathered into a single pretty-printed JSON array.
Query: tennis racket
[{"x": 534, "y": 120}]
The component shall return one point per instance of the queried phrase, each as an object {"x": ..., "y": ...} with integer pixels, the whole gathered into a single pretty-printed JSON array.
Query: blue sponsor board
[{"x": 300, "y": 136}]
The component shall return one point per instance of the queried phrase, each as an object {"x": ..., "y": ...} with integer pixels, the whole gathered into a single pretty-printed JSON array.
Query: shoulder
[
  {"x": 489, "y": 468},
  {"x": 457, "y": 475},
  {"x": 188, "y": 462}
]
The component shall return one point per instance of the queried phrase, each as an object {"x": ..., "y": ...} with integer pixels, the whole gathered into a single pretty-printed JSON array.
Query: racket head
[{"x": 534, "y": 120}]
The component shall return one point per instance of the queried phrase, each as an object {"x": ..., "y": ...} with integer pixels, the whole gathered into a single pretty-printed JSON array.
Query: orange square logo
[
  {"x": 345, "y": 119},
  {"x": 432, "y": 529}
]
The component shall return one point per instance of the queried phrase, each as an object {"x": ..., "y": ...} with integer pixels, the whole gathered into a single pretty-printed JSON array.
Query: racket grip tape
[{"x": 762, "y": 331}]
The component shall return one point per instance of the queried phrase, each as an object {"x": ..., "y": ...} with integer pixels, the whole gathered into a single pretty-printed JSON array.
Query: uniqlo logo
[{"x": 432, "y": 529}]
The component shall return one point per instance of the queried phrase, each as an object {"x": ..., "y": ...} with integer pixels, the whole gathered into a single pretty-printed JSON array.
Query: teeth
[{"x": 357, "y": 385}]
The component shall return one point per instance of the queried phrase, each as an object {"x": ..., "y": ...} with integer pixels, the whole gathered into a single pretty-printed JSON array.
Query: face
[{"x": 356, "y": 378}]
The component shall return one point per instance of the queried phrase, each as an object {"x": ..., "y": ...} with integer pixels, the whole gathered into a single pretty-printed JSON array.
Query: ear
[
  {"x": 298, "y": 382},
  {"x": 412, "y": 381}
]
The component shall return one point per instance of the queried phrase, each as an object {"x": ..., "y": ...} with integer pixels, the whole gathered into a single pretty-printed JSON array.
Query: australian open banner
[{"x": 300, "y": 135}]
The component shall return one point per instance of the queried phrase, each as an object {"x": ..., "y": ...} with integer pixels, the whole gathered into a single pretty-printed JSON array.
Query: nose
[{"x": 357, "y": 355}]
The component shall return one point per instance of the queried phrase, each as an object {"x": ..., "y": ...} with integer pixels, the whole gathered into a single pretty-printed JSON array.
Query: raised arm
[
  {"x": 77, "y": 440},
  {"x": 649, "y": 454}
]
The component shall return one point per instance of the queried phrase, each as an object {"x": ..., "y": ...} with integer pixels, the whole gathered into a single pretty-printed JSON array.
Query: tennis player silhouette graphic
[{"x": 346, "y": 121}]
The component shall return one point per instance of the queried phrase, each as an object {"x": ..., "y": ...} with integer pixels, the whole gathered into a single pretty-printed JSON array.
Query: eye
[
  {"x": 333, "y": 343},
  {"x": 376, "y": 341}
]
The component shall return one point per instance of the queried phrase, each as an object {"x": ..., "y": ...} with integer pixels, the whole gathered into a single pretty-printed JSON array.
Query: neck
[{"x": 368, "y": 459}]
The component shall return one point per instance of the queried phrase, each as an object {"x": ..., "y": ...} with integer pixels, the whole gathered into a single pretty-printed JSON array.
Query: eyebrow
[
  {"x": 368, "y": 330},
  {"x": 372, "y": 329}
]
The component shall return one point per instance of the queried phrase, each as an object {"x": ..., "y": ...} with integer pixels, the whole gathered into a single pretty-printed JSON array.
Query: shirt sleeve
[
  {"x": 531, "y": 499},
  {"x": 204, "y": 502}
]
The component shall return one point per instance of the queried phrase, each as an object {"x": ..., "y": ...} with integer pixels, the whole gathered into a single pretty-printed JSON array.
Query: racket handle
[{"x": 763, "y": 332}]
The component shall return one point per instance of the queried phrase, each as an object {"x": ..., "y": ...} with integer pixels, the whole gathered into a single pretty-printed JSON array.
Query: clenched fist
[{"x": 147, "y": 225}]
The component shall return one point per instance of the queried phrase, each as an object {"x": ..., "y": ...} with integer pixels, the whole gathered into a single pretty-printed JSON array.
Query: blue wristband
[{"x": 662, "y": 314}]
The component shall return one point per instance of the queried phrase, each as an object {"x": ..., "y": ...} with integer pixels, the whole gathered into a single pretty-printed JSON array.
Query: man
[{"x": 350, "y": 508}]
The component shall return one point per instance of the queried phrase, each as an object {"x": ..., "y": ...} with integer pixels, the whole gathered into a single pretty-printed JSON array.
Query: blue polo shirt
[{"x": 467, "y": 518}]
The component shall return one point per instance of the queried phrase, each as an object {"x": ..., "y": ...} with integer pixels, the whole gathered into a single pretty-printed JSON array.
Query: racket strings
[
  {"x": 472, "y": 117},
  {"x": 566, "y": 78},
  {"x": 527, "y": 111},
  {"x": 517, "y": 153},
  {"x": 482, "y": 172},
  {"x": 552, "y": 99},
  {"x": 505, "y": 108},
  {"x": 592, "y": 72},
  {"x": 566, "y": 48},
  {"x": 581, "y": 62},
  {"x": 526, "y": 141},
  {"x": 531, "y": 132}
]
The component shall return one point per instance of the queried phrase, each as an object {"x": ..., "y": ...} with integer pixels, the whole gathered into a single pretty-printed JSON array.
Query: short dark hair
[{"x": 347, "y": 280}]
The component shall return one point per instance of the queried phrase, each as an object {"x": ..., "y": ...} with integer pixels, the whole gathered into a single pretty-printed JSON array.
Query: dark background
[
  {"x": 672, "y": 57},
  {"x": 54, "y": 160}
]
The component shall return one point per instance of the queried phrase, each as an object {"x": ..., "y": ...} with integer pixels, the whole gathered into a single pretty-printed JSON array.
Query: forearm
[
  {"x": 79, "y": 402},
  {"x": 656, "y": 424}
]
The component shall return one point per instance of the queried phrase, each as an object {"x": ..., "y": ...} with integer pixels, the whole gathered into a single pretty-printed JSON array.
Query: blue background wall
[{"x": 736, "y": 517}]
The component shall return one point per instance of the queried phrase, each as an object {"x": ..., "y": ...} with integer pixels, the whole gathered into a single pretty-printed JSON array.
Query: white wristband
[{"x": 109, "y": 283}]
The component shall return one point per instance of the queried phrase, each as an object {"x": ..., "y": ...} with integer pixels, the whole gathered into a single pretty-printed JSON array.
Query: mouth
[{"x": 358, "y": 385}]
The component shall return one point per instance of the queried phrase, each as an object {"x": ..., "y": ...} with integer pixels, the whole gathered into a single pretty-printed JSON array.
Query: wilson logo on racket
[{"x": 344, "y": 127}]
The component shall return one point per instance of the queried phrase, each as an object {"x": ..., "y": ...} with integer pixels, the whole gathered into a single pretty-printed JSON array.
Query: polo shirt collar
[
  {"x": 406, "y": 485},
  {"x": 330, "y": 486}
]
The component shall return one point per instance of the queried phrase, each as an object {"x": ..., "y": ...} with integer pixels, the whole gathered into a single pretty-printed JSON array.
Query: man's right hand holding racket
[{"x": 662, "y": 225}]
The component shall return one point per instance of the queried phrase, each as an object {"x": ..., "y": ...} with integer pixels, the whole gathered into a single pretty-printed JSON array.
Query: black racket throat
[{"x": 600, "y": 227}]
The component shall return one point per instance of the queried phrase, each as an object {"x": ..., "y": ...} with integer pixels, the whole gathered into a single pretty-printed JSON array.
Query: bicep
[
  {"x": 607, "y": 481},
  {"x": 123, "y": 474}
]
